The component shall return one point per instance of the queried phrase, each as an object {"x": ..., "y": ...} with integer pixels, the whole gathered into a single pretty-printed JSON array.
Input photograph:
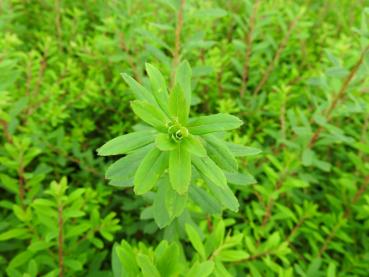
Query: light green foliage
[
  {"x": 182, "y": 144},
  {"x": 188, "y": 191}
]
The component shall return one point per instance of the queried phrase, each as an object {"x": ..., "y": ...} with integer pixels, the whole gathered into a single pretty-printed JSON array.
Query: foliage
[{"x": 294, "y": 72}]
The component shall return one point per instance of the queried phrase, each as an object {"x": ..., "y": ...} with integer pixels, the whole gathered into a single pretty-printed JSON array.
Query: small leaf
[
  {"x": 150, "y": 170},
  {"x": 232, "y": 255},
  {"x": 183, "y": 78},
  {"x": 147, "y": 266},
  {"x": 208, "y": 169},
  {"x": 140, "y": 92},
  {"x": 178, "y": 107},
  {"x": 158, "y": 86},
  {"x": 240, "y": 179},
  {"x": 220, "y": 153},
  {"x": 203, "y": 269},
  {"x": 180, "y": 169},
  {"x": 161, "y": 215},
  {"x": 150, "y": 114},
  {"x": 174, "y": 202},
  {"x": 242, "y": 151},
  {"x": 164, "y": 142},
  {"x": 126, "y": 143},
  {"x": 195, "y": 240},
  {"x": 213, "y": 123},
  {"x": 194, "y": 145}
]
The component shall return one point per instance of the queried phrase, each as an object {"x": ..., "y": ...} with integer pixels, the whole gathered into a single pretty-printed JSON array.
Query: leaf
[
  {"x": 205, "y": 200},
  {"x": 146, "y": 265},
  {"x": 203, "y": 269},
  {"x": 224, "y": 195},
  {"x": 178, "y": 107},
  {"x": 220, "y": 153},
  {"x": 180, "y": 169},
  {"x": 125, "y": 167},
  {"x": 194, "y": 145},
  {"x": 150, "y": 114},
  {"x": 158, "y": 86},
  {"x": 208, "y": 169},
  {"x": 140, "y": 92},
  {"x": 168, "y": 261},
  {"x": 213, "y": 123},
  {"x": 126, "y": 143},
  {"x": 232, "y": 255},
  {"x": 307, "y": 157},
  {"x": 124, "y": 255},
  {"x": 183, "y": 79},
  {"x": 174, "y": 202},
  {"x": 161, "y": 215},
  {"x": 195, "y": 240},
  {"x": 164, "y": 142},
  {"x": 242, "y": 151},
  {"x": 19, "y": 233},
  {"x": 240, "y": 179},
  {"x": 150, "y": 170}
]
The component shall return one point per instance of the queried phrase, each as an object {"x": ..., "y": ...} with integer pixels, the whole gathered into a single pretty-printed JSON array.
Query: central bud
[{"x": 176, "y": 131}]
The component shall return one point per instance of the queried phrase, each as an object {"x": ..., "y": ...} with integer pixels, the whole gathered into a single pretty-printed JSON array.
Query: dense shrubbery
[{"x": 294, "y": 72}]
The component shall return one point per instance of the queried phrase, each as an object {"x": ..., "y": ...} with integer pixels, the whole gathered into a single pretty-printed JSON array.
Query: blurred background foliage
[{"x": 296, "y": 72}]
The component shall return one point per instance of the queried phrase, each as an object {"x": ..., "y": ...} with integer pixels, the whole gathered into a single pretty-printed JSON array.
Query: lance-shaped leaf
[
  {"x": 194, "y": 145},
  {"x": 219, "y": 152},
  {"x": 213, "y": 123},
  {"x": 150, "y": 170},
  {"x": 183, "y": 79},
  {"x": 180, "y": 169},
  {"x": 178, "y": 107},
  {"x": 224, "y": 195},
  {"x": 164, "y": 142},
  {"x": 208, "y": 169},
  {"x": 174, "y": 202},
  {"x": 161, "y": 215},
  {"x": 158, "y": 86},
  {"x": 147, "y": 266},
  {"x": 126, "y": 143},
  {"x": 150, "y": 114},
  {"x": 242, "y": 151},
  {"x": 139, "y": 91}
]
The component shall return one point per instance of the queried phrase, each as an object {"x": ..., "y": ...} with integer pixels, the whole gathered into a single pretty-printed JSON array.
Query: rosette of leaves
[{"x": 174, "y": 150}]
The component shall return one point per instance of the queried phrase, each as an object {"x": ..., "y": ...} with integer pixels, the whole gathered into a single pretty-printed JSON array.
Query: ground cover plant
[{"x": 238, "y": 132}]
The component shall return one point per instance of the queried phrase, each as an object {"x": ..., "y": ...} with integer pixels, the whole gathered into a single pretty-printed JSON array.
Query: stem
[
  {"x": 248, "y": 42},
  {"x": 177, "y": 43},
  {"x": 277, "y": 55}
]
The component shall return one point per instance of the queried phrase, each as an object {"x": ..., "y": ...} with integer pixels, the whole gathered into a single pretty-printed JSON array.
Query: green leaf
[
  {"x": 180, "y": 169},
  {"x": 232, "y": 255},
  {"x": 205, "y": 200},
  {"x": 203, "y": 269},
  {"x": 150, "y": 114},
  {"x": 213, "y": 123},
  {"x": 150, "y": 170},
  {"x": 220, "y": 153},
  {"x": 208, "y": 169},
  {"x": 224, "y": 195},
  {"x": 147, "y": 266},
  {"x": 158, "y": 86},
  {"x": 124, "y": 256},
  {"x": 140, "y": 92},
  {"x": 178, "y": 108},
  {"x": 168, "y": 262},
  {"x": 126, "y": 143},
  {"x": 307, "y": 157},
  {"x": 174, "y": 202},
  {"x": 164, "y": 142},
  {"x": 194, "y": 145},
  {"x": 19, "y": 233},
  {"x": 240, "y": 179},
  {"x": 242, "y": 151},
  {"x": 183, "y": 79},
  {"x": 125, "y": 167},
  {"x": 195, "y": 240},
  {"x": 161, "y": 215}
]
